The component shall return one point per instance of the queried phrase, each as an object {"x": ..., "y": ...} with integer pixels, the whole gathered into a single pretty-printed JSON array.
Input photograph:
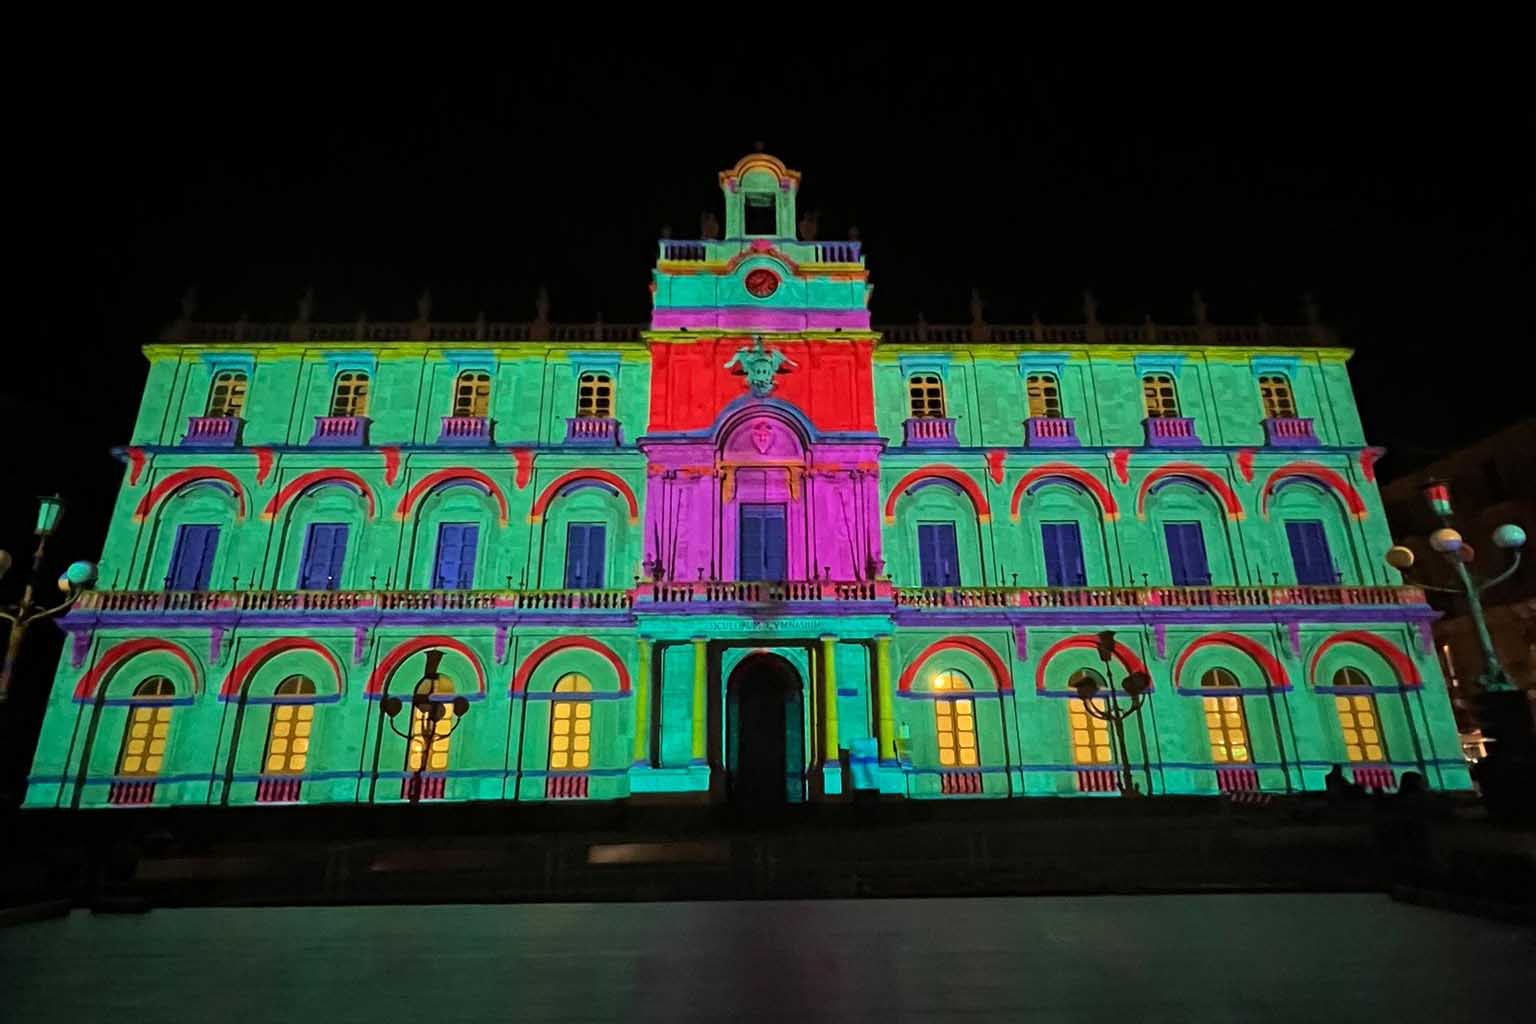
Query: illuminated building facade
[{"x": 756, "y": 550}]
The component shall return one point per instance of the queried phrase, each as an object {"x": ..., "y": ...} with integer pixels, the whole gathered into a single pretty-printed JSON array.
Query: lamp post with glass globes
[
  {"x": 1503, "y": 711},
  {"x": 1136, "y": 685},
  {"x": 78, "y": 578},
  {"x": 432, "y": 712}
]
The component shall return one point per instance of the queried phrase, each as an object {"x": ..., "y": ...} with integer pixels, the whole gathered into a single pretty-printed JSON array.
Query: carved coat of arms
[{"x": 760, "y": 365}]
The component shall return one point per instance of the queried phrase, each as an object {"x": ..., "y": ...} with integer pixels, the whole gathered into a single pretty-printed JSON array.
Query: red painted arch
[
  {"x": 453, "y": 474},
  {"x": 1267, "y": 662},
  {"x": 1077, "y": 475},
  {"x": 235, "y": 681},
  {"x": 1199, "y": 474},
  {"x": 109, "y": 662},
  {"x": 314, "y": 479},
  {"x": 185, "y": 477},
  {"x": 959, "y": 643},
  {"x": 1320, "y": 473},
  {"x": 392, "y": 660},
  {"x": 540, "y": 653},
  {"x": 955, "y": 476},
  {"x": 1123, "y": 654},
  {"x": 600, "y": 475},
  {"x": 1407, "y": 671}
]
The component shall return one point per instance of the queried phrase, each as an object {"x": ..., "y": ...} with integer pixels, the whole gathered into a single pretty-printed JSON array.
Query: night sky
[{"x": 1400, "y": 194}]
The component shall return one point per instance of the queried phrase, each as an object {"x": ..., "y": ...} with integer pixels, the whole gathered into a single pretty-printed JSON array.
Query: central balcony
[
  {"x": 213, "y": 431},
  {"x": 1171, "y": 432},
  {"x": 1290, "y": 432},
  {"x": 1051, "y": 432},
  {"x": 938, "y": 430},
  {"x": 340, "y": 432},
  {"x": 592, "y": 430},
  {"x": 466, "y": 431}
]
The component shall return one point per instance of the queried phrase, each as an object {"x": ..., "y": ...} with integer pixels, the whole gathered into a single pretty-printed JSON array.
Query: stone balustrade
[
  {"x": 340, "y": 431},
  {"x": 929, "y": 430},
  {"x": 212, "y": 431},
  {"x": 1171, "y": 432},
  {"x": 1290, "y": 432}
]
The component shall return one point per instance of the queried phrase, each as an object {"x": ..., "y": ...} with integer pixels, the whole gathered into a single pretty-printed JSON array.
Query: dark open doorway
[{"x": 765, "y": 733}]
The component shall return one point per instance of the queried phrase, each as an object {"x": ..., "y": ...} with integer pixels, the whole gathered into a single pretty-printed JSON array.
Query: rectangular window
[
  {"x": 1361, "y": 729},
  {"x": 1044, "y": 395},
  {"x": 456, "y": 544},
  {"x": 938, "y": 555},
  {"x": 1186, "y": 555},
  {"x": 1063, "y": 544},
  {"x": 585, "y": 550},
  {"x": 761, "y": 212},
  {"x": 192, "y": 558},
  {"x": 1275, "y": 392},
  {"x": 1309, "y": 553},
  {"x": 1160, "y": 396},
  {"x": 324, "y": 549},
  {"x": 763, "y": 543}
]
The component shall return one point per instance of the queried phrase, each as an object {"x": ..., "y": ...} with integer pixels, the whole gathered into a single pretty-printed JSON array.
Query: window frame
[
  {"x": 354, "y": 400},
  {"x": 598, "y": 405},
  {"x": 227, "y": 394},
  {"x": 297, "y": 719},
  {"x": 1354, "y": 705},
  {"x": 472, "y": 394},
  {"x": 1277, "y": 396},
  {"x": 925, "y": 392},
  {"x": 1215, "y": 705},
  {"x": 442, "y": 736},
  {"x": 1039, "y": 406},
  {"x": 573, "y": 712},
  {"x": 154, "y": 713},
  {"x": 1079, "y": 721},
  {"x": 954, "y": 717},
  {"x": 1160, "y": 395}
]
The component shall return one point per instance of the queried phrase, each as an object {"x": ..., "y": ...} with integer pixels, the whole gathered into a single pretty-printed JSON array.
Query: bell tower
[{"x": 759, "y": 198}]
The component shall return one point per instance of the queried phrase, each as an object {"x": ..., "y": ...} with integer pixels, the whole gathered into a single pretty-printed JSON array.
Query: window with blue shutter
[
  {"x": 191, "y": 565},
  {"x": 938, "y": 556},
  {"x": 456, "y": 544},
  {"x": 1063, "y": 544},
  {"x": 762, "y": 543},
  {"x": 585, "y": 549},
  {"x": 1309, "y": 553},
  {"x": 1186, "y": 555},
  {"x": 324, "y": 549}
]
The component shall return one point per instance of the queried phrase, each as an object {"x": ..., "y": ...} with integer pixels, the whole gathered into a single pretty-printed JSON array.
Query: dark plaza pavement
[{"x": 1148, "y": 958}]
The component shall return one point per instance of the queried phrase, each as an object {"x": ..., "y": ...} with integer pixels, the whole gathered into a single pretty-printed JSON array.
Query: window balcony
[
  {"x": 1171, "y": 432},
  {"x": 1051, "y": 432},
  {"x": 592, "y": 430},
  {"x": 272, "y": 789},
  {"x": 1290, "y": 432},
  {"x": 340, "y": 431},
  {"x": 213, "y": 431},
  {"x": 937, "y": 430},
  {"x": 467, "y": 431}
]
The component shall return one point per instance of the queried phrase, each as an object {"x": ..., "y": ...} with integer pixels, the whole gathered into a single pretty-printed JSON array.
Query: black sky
[{"x": 1399, "y": 192}]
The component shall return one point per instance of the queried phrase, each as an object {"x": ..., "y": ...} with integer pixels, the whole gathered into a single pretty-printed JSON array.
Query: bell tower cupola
[{"x": 759, "y": 198}]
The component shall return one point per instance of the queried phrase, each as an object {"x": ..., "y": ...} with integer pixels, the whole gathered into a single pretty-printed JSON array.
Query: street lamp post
[
  {"x": 1136, "y": 685},
  {"x": 78, "y": 578},
  {"x": 431, "y": 711},
  {"x": 1503, "y": 712}
]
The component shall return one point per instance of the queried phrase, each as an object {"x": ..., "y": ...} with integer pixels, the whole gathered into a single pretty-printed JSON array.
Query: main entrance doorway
[{"x": 765, "y": 733}]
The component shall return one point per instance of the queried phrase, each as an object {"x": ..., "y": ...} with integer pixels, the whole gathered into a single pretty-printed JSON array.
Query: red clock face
[{"x": 762, "y": 283}]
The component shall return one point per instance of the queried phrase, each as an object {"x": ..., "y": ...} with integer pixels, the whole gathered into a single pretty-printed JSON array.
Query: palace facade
[{"x": 754, "y": 551}]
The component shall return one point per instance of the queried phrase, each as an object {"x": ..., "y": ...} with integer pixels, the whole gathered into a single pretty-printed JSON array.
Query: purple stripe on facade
[{"x": 746, "y": 318}]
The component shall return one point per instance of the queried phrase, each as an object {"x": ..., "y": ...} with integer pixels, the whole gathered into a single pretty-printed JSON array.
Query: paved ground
[{"x": 1131, "y": 958}]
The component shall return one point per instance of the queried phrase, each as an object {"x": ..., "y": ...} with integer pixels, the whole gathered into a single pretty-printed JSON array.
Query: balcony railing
[
  {"x": 1050, "y": 432},
  {"x": 213, "y": 431},
  {"x": 837, "y": 252},
  {"x": 465, "y": 430},
  {"x": 340, "y": 431},
  {"x": 1171, "y": 432},
  {"x": 592, "y": 430},
  {"x": 734, "y": 592},
  {"x": 684, "y": 252},
  {"x": 1290, "y": 432},
  {"x": 931, "y": 430}
]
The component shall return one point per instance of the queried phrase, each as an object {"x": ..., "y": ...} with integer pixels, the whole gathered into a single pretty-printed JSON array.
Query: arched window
[
  {"x": 350, "y": 395},
  {"x": 472, "y": 394},
  {"x": 227, "y": 396},
  {"x": 1044, "y": 395},
  {"x": 149, "y": 725},
  {"x": 288, "y": 734},
  {"x": 955, "y": 721},
  {"x": 1358, "y": 720},
  {"x": 1224, "y": 719},
  {"x": 423, "y": 722},
  {"x": 1090, "y": 736},
  {"x": 1275, "y": 391},
  {"x": 570, "y": 726},
  {"x": 594, "y": 396},
  {"x": 925, "y": 396},
  {"x": 1160, "y": 396}
]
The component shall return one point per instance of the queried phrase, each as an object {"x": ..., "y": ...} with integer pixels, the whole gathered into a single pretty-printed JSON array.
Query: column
[
  {"x": 643, "y": 702},
  {"x": 887, "y": 698},
  {"x": 700, "y": 697},
  {"x": 829, "y": 700}
]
